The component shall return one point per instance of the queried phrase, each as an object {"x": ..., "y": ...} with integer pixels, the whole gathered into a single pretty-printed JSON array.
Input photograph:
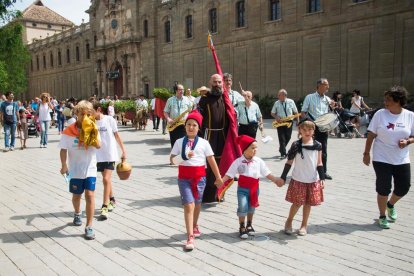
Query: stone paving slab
[{"x": 145, "y": 233}]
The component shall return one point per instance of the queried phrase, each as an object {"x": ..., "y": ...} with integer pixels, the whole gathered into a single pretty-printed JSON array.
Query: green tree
[
  {"x": 14, "y": 56},
  {"x": 5, "y": 13},
  {"x": 3, "y": 77}
]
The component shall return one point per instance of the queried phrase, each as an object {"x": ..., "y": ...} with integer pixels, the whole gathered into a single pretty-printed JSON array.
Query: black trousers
[
  {"x": 284, "y": 134},
  {"x": 249, "y": 130},
  {"x": 177, "y": 133},
  {"x": 322, "y": 137}
]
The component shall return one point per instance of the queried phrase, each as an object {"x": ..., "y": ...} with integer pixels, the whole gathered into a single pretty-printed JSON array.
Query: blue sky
[{"x": 74, "y": 10}]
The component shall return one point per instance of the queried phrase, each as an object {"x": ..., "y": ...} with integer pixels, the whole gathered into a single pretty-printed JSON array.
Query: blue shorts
[
  {"x": 186, "y": 193},
  {"x": 78, "y": 186},
  {"x": 243, "y": 200}
]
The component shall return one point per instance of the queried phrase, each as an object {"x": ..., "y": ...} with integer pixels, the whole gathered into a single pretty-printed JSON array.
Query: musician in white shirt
[{"x": 314, "y": 106}]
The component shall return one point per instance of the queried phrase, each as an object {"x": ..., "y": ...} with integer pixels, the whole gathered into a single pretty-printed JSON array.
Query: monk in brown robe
[{"x": 214, "y": 129}]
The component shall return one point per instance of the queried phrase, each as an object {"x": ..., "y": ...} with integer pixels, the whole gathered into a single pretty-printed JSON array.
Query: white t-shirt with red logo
[
  {"x": 81, "y": 161},
  {"x": 390, "y": 129},
  {"x": 108, "y": 152}
]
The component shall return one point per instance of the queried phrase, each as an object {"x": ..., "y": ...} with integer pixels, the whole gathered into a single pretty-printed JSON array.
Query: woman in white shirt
[
  {"x": 45, "y": 107},
  {"x": 393, "y": 130},
  {"x": 357, "y": 105}
]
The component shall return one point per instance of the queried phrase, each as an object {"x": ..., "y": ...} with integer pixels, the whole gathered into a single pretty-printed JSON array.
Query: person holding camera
[
  {"x": 45, "y": 107},
  {"x": 248, "y": 116}
]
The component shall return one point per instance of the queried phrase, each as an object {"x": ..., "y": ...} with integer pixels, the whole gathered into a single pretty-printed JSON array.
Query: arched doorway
[{"x": 116, "y": 77}]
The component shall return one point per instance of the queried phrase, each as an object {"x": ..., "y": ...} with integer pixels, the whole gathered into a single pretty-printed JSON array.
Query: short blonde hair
[{"x": 83, "y": 107}]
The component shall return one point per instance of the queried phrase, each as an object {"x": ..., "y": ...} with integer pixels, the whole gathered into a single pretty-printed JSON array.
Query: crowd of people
[{"x": 213, "y": 142}]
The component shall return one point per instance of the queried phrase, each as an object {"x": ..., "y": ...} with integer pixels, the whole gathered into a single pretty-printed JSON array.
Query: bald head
[{"x": 216, "y": 84}]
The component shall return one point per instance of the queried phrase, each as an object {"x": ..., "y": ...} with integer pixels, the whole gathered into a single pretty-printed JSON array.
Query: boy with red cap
[
  {"x": 250, "y": 168},
  {"x": 193, "y": 151}
]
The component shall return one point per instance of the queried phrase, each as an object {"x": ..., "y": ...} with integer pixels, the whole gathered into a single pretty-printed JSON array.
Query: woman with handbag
[{"x": 248, "y": 116}]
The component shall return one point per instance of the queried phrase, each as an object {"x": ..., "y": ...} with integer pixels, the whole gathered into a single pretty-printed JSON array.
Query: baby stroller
[
  {"x": 32, "y": 125},
  {"x": 345, "y": 125}
]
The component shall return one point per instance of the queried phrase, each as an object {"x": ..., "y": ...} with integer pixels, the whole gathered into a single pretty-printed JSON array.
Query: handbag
[{"x": 67, "y": 112}]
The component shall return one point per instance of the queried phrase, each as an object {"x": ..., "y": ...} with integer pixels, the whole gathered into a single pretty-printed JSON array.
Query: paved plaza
[{"x": 145, "y": 233}]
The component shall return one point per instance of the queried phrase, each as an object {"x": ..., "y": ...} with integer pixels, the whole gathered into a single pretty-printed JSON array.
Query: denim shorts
[
  {"x": 243, "y": 201},
  {"x": 186, "y": 193},
  {"x": 78, "y": 186}
]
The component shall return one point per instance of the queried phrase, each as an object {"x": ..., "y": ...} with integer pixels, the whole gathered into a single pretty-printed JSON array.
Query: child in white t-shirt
[
  {"x": 80, "y": 163},
  {"x": 250, "y": 168},
  {"x": 308, "y": 177},
  {"x": 107, "y": 155},
  {"x": 192, "y": 173}
]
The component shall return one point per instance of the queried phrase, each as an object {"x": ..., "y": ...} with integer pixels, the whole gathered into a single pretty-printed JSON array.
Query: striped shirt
[
  {"x": 316, "y": 105},
  {"x": 285, "y": 108},
  {"x": 253, "y": 111},
  {"x": 174, "y": 106}
]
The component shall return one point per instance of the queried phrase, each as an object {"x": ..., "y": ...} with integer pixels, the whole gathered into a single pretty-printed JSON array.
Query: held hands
[
  {"x": 219, "y": 182},
  {"x": 279, "y": 182}
]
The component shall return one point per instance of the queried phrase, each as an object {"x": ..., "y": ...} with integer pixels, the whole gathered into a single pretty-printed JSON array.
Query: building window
[
  {"x": 145, "y": 28},
  {"x": 51, "y": 59},
  {"x": 358, "y": 1},
  {"x": 167, "y": 29},
  {"x": 77, "y": 54},
  {"x": 59, "y": 58},
  {"x": 213, "y": 20},
  {"x": 274, "y": 10},
  {"x": 44, "y": 61},
  {"x": 37, "y": 63},
  {"x": 67, "y": 56},
  {"x": 189, "y": 26},
  {"x": 314, "y": 6},
  {"x": 95, "y": 40},
  {"x": 31, "y": 65},
  {"x": 240, "y": 14},
  {"x": 88, "y": 51},
  {"x": 49, "y": 26},
  {"x": 34, "y": 24}
]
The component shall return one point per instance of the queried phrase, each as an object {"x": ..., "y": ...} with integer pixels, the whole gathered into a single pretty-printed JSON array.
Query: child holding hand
[
  {"x": 308, "y": 177},
  {"x": 192, "y": 173},
  {"x": 250, "y": 168}
]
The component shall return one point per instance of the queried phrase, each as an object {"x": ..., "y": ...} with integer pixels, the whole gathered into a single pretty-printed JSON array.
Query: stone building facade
[{"x": 266, "y": 44}]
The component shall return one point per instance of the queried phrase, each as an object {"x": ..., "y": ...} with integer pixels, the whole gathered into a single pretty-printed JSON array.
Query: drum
[{"x": 327, "y": 122}]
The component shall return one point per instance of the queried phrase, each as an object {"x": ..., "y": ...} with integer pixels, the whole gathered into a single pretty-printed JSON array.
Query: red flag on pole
[{"x": 231, "y": 149}]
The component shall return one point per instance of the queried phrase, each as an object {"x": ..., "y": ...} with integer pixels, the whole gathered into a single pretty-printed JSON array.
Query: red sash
[
  {"x": 194, "y": 173},
  {"x": 253, "y": 185}
]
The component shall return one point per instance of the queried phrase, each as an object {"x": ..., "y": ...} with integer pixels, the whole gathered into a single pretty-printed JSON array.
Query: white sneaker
[
  {"x": 11, "y": 148},
  {"x": 45, "y": 146},
  {"x": 41, "y": 146}
]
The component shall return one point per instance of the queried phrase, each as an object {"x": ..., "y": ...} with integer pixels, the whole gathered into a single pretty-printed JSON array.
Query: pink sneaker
[
  {"x": 196, "y": 231},
  {"x": 190, "y": 243}
]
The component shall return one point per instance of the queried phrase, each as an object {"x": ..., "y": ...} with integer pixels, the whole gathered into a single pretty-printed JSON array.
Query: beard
[{"x": 216, "y": 91}]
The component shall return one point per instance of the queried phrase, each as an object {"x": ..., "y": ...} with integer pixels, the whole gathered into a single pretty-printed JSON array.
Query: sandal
[{"x": 250, "y": 230}]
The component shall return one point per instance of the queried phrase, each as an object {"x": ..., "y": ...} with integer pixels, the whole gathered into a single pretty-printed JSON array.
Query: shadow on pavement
[
  {"x": 342, "y": 228},
  {"x": 29, "y": 236},
  {"x": 173, "y": 201}
]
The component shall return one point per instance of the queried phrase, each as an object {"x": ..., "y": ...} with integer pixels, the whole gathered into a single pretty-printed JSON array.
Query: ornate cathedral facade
[{"x": 130, "y": 46}]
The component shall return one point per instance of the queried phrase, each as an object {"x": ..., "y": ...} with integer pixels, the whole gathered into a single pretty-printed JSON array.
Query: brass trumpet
[
  {"x": 179, "y": 120},
  {"x": 287, "y": 121}
]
